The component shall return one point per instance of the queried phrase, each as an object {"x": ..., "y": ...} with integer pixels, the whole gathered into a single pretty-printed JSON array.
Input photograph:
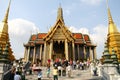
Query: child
[
  {"x": 39, "y": 74},
  {"x": 55, "y": 73}
]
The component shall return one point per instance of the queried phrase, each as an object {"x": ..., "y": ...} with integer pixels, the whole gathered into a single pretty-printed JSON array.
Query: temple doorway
[{"x": 58, "y": 50}]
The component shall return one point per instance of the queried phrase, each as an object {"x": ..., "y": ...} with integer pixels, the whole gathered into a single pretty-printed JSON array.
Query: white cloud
[
  {"x": 19, "y": 32},
  {"x": 97, "y": 35},
  {"x": 91, "y": 2},
  {"x": 81, "y": 30}
]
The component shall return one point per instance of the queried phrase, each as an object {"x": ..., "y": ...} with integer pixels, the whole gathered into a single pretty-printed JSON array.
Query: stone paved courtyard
[{"x": 76, "y": 75}]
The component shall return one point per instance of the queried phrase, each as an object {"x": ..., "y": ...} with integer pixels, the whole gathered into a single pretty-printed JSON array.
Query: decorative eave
[{"x": 91, "y": 45}]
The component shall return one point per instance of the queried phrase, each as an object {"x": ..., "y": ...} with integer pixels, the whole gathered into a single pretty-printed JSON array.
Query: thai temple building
[
  {"x": 4, "y": 36},
  {"x": 59, "y": 42},
  {"x": 113, "y": 36}
]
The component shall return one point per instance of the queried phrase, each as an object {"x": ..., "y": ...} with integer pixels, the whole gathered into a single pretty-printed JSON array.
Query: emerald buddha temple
[
  {"x": 4, "y": 36},
  {"x": 59, "y": 42}
]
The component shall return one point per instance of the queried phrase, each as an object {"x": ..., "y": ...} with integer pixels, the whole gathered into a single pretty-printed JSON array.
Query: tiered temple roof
[{"x": 79, "y": 39}]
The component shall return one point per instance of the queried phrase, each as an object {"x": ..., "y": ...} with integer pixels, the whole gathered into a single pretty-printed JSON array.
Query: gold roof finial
[
  {"x": 60, "y": 13},
  {"x": 109, "y": 14},
  {"x": 7, "y": 13},
  {"x": 111, "y": 27}
]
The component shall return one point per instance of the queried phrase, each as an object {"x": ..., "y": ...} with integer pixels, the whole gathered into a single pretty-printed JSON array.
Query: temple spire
[
  {"x": 4, "y": 35},
  {"x": 109, "y": 15},
  {"x": 7, "y": 13},
  {"x": 111, "y": 26},
  {"x": 60, "y": 13}
]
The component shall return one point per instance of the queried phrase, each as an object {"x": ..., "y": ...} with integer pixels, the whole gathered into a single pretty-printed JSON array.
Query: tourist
[
  {"x": 95, "y": 70},
  {"x": 77, "y": 64},
  {"x": 88, "y": 64},
  {"x": 63, "y": 70},
  {"x": 55, "y": 73},
  {"x": 39, "y": 74},
  {"x": 33, "y": 68},
  {"x": 17, "y": 76},
  {"x": 59, "y": 70},
  {"x": 91, "y": 68},
  {"x": 69, "y": 69},
  {"x": 74, "y": 64},
  {"x": 12, "y": 73},
  {"x": 30, "y": 69},
  {"x": 85, "y": 65},
  {"x": 48, "y": 71},
  {"x": 49, "y": 61},
  {"x": 82, "y": 65},
  {"x": 23, "y": 74}
]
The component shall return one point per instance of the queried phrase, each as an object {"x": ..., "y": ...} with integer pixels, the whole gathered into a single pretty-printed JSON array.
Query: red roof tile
[
  {"x": 86, "y": 37},
  {"x": 41, "y": 35},
  {"x": 77, "y": 35},
  {"x": 33, "y": 37}
]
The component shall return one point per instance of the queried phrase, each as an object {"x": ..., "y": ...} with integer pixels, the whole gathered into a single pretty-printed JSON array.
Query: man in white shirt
[{"x": 69, "y": 69}]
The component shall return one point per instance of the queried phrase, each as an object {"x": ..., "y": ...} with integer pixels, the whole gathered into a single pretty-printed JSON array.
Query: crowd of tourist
[{"x": 58, "y": 67}]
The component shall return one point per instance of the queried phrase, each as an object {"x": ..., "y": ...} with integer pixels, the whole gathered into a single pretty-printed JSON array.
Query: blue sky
[{"x": 31, "y": 16}]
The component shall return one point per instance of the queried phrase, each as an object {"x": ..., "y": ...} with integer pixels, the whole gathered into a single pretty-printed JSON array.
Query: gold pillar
[
  {"x": 28, "y": 53},
  {"x": 34, "y": 54},
  {"x": 84, "y": 51},
  {"x": 66, "y": 49},
  {"x": 73, "y": 49},
  {"x": 95, "y": 56},
  {"x": 51, "y": 49},
  {"x": 91, "y": 54},
  {"x": 44, "y": 55},
  {"x": 78, "y": 52},
  {"x": 25, "y": 54},
  {"x": 40, "y": 52}
]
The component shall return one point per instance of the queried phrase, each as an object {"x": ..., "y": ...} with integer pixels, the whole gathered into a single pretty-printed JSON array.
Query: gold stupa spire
[
  {"x": 60, "y": 13},
  {"x": 113, "y": 37},
  {"x": 111, "y": 26},
  {"x": 4, "y": 24},
  {"x": 7, "y": 13},
  {"x": 4, "y": 35}
]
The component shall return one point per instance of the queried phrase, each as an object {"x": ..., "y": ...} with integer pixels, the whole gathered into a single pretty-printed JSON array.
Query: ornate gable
[
  {"x": 58, "y": 34},
  {"x": 59, "y": 30}
]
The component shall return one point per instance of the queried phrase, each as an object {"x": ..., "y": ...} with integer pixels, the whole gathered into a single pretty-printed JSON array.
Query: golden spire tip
[{"x": 7, "y": 13}]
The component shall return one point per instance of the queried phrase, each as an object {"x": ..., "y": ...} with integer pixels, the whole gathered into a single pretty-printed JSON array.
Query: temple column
[
  {"x": 91, "y": 54},
  {"x": 40, "y": 52},
  {"x": 28, "y": 53},
  {"x": 66, "y": 50},
  {"x": 84, "y": 51},
  {"x": 25, "y": 54},
  {"x": 51, "y": 49},
  {"x": 44, "y": 55},
  {"x": 78, "y": 52},
  {"x": 73, "y": 49},
  {"x": 94, "y": 52},
  {"x": 34, "y": 54}
]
